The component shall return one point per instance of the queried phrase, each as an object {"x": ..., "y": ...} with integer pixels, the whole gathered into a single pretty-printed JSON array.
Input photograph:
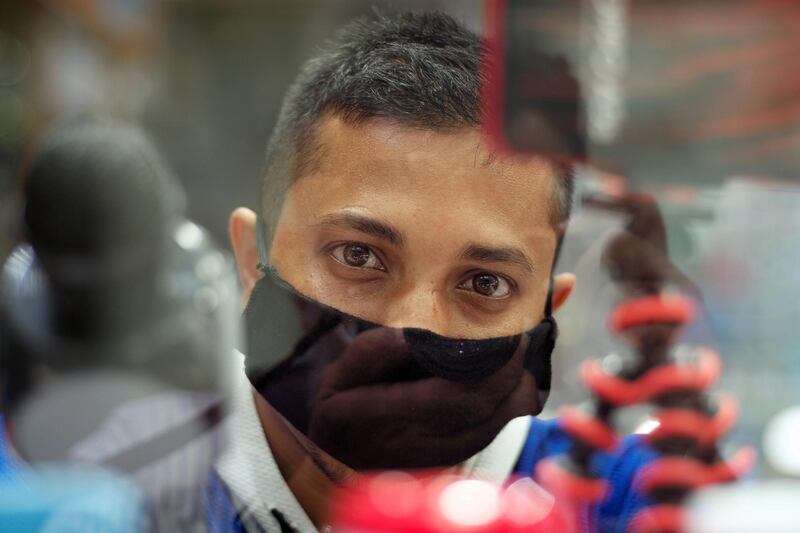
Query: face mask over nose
[{"x": 376, "y": 397}]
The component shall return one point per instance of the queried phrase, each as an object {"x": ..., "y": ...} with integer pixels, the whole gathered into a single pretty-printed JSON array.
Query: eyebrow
[
  {"x": 511, "y": 255},
  {"x": 364, "y": 224}
]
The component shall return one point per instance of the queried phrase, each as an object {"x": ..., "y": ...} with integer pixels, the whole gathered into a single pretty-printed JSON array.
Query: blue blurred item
[
  {"x": 6, "y": 461},
  {"x": 614, "y": 513},
  {"x": 69, "y": 500}
]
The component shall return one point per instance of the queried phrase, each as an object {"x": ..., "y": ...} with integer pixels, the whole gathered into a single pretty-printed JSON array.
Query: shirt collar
[{"x": 249, "y": 469}]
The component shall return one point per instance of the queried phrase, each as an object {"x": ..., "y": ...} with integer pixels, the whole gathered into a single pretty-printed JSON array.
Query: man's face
[{"x": 415, "y": 228}]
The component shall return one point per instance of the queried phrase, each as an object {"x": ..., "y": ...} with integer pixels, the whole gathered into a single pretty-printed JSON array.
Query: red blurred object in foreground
[{"x": 394, "y": 502}]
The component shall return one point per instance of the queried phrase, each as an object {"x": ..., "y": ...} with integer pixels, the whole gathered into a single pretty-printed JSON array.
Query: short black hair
[{"x": 417, "y": 69}]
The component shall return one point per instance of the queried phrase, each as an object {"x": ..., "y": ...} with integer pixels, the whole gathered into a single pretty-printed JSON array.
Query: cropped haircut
[{"x": 421, "y": 70}]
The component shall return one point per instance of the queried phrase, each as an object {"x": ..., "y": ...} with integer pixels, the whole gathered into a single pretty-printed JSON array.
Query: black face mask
[{"x": 376, "y": 397}]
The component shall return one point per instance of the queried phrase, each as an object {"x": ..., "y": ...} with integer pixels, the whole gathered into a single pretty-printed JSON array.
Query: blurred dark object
[
  {"x": 683, "y": 92},
  {"x": 119, "y": 318},
  {"x": 431, "y": 502},
  {"x": 637, "y": 258},
  {"x": 98, "y": 205}
]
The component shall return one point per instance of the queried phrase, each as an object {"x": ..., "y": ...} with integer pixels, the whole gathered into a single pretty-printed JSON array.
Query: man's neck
[{"x": 310, "y": 474}]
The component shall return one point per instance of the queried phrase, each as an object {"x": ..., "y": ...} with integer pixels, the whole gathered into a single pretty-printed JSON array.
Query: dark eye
[
  {"x": 357, "y": 256},
  {"x": 487, "y": 284}
]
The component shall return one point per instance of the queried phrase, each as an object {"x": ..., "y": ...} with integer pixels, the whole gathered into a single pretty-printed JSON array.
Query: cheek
[
  {"x": 522, "y": 316},
  {"x": 535, "y": 312},
  {"x": 528, "y": 311},
  {"x": 289, "y": 255}
]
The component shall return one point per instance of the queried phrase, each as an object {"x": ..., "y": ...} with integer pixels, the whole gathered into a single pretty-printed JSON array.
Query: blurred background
[{"x": 205, "y": 78}]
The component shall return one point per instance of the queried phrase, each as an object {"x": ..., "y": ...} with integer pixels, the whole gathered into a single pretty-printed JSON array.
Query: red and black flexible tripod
[{"x": 689, "y": 422}]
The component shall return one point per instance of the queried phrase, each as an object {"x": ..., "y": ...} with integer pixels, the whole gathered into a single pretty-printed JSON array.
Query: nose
[{"x": 418, "y": 307}]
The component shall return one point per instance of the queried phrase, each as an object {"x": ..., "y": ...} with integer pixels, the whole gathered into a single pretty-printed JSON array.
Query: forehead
[{"x": 438, "y": 177}]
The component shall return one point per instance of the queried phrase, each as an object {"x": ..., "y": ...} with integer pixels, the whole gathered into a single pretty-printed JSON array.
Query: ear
[
  {"x": 242, "y": 230},
  {"x": 562, "y": 288}
]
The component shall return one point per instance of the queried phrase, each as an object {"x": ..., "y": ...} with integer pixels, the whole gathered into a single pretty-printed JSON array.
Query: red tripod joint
[
  {"x": 658, "y": 519},
  {"x": 588, "y": 429},
  {"x": 655, "y": 382},
  {"x": 573, "y": 487},
  {"x": 692, "y": 424},
  {"x": 648, "y": 310},
  {"x": 692, "y": 473}
]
